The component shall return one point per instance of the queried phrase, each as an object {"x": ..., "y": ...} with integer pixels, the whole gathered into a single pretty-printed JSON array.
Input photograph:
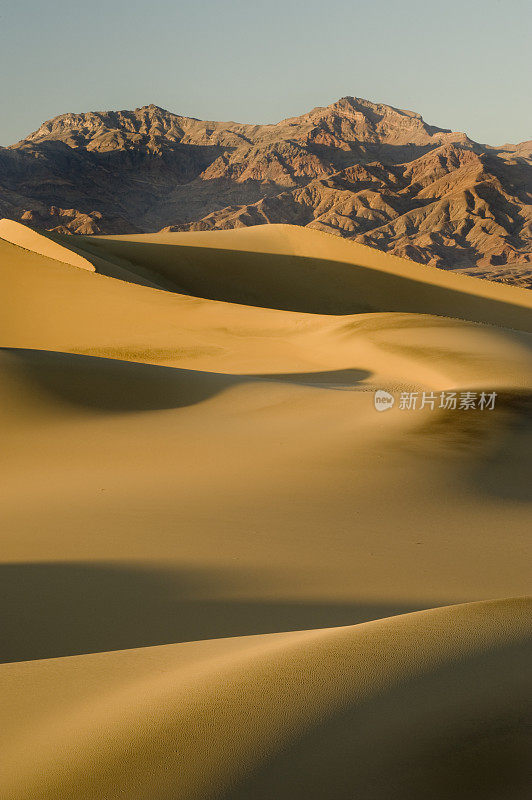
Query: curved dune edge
[
  {"x": 283, "y": 238},
  {"x": 22, "y": 236},
  {"x": 53, "y": 307},
  {"x": 170, "y": 465},
  {"x": 301, "y": 269},
  {"x": 195, "y": 720},
  {"x": 284, "y": 268}
]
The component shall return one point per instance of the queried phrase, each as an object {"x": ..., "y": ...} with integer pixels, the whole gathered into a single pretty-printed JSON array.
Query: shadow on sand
[
  {"x": 496, "y": 445},
  {"x": 60, "y": 609},
  {"x": 292, "y": 282},
  {"x": 108, "y": 384},
  {"x": 456, "y": 731}
]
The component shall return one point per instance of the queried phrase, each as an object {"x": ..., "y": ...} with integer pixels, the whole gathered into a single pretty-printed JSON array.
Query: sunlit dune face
[{"x": 226, "y": 572}]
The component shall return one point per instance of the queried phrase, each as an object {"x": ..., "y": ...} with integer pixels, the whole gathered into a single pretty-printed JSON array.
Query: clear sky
[{"x": 462, "y": 64}]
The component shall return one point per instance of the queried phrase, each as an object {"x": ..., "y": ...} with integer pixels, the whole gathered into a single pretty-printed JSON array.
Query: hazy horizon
[{"x": 462, "y": 66}]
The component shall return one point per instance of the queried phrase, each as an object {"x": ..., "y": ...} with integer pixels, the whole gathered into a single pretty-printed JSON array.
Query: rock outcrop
[{"x": 364, "y": 171}]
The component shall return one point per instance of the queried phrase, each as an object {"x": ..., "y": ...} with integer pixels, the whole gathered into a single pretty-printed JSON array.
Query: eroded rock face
[{"x": 362, "y": 170}]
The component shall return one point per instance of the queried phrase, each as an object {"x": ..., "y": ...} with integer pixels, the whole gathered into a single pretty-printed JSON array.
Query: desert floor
[{"x": 224, "y": 574}]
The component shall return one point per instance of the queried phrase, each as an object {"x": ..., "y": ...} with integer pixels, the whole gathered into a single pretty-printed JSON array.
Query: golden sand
[{"x": 208, "y": 530}]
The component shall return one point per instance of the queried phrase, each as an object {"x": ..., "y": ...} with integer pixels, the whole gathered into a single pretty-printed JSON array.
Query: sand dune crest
[
  {"x": 219, "y": 719},
  {"x": 214, "y": 549},
  {"x": 43, "y": 244}
]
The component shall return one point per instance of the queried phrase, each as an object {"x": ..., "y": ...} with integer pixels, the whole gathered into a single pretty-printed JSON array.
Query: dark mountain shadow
[
  {"x": 49, "y": 610},
  {"x": 111, "y": 385},
  {"x": 517, "y": 176},
  {"x": 189, "y": 203},
  {"x": 504, "y": 212},
  {"x": 170, "y": 163},
  {"x": 361, "y": 152}
]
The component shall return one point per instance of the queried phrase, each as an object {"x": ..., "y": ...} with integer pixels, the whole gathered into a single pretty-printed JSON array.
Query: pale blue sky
[{"x": 462, "y": 64}]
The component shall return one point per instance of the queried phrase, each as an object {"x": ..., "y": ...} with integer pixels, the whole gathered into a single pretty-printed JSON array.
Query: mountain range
[{"x": 365, "y": 171}]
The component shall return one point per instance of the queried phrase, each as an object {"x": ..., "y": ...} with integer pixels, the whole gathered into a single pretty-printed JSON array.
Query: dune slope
[
  {"x": 300, "y": 269},
  {"x": 41, "y": 244},
  {"x": 224, "y": 574},
  {"x": 285, "y": 715}
]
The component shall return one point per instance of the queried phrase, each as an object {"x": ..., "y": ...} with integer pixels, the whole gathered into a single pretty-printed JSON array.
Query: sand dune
[
  {"x": 286, "y": 715},
  {"x": 41, "y": 244},
  {"x": 207, "y": 529},
  {"x": 287, "y": 267}
]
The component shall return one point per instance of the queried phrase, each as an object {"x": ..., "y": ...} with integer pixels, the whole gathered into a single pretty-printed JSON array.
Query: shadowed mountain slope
[{"x": 365, "y": 171}]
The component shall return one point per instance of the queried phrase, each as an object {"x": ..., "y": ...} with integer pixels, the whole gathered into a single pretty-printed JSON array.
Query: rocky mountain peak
[{"x": 362, "y": 170}]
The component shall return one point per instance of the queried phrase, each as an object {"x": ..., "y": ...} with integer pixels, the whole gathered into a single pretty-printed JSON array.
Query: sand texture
[{"x": 224, "y": 574}]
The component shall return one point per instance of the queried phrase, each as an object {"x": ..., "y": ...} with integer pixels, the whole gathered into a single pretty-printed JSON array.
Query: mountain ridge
[{"x": 366, "y": 171}]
